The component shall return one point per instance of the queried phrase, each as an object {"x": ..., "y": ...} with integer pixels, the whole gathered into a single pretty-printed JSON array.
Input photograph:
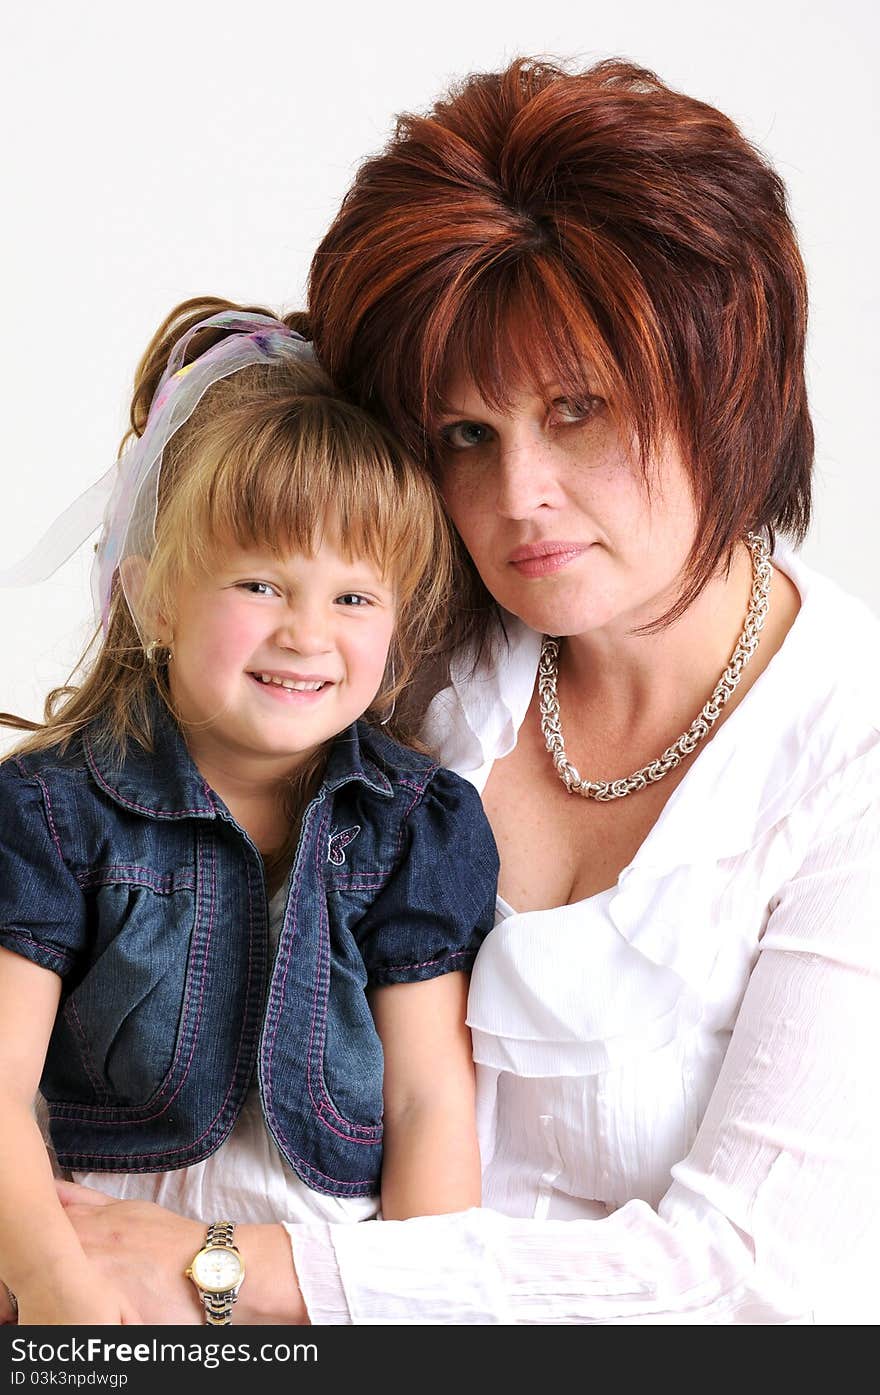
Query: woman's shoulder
[
  {"x": 831, "y": 656},
  {"x": 801, "y": 753},
  {"x": 475, "y": 719}
]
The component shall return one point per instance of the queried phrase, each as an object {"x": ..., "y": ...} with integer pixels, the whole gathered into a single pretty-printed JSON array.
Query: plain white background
[{"x": 156, "y": 151}]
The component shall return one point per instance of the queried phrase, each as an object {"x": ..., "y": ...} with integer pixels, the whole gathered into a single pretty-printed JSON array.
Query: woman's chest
[
  {"x": 557, "y": 847},
  {"x": 599, "y": 1029}
]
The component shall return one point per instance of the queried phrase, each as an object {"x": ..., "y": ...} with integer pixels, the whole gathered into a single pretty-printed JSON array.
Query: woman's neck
[{"x": 639, "y": 688}]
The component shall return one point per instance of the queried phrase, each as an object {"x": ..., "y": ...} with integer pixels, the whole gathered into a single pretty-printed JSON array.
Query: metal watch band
[{"x": 218, "y": 1306}]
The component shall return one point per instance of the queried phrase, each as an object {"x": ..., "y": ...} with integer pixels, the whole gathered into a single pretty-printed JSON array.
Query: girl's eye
[
  {"x": 567, "y": 410},
  {"x": 258, "y": 588},
  {"x": 354, "y": 600},
  {"x": 464, "y": 435}
]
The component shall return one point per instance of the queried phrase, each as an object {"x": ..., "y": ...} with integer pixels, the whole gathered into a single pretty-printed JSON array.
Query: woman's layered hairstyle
[{"x": 600, "y": 231}]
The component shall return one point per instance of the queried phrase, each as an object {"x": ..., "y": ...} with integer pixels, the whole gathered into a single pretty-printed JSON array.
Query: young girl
[{"x": 235, "y": 911}]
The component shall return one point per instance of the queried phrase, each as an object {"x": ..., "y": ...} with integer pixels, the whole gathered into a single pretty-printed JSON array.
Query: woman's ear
[{"x": 151, "y": 623}]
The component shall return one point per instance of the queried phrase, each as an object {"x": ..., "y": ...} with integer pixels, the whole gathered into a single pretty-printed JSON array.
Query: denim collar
[{"x": 165, "y": 784}]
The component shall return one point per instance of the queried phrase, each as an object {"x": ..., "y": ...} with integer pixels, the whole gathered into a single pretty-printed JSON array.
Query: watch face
[{"x": 217, "y": 1269}]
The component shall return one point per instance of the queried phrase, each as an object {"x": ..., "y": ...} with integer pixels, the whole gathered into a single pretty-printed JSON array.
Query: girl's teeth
[{"x": 290, "y": 683}]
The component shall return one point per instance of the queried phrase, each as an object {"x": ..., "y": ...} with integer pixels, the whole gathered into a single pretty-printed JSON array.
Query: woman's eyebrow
[{"x": 447, "y": 408}]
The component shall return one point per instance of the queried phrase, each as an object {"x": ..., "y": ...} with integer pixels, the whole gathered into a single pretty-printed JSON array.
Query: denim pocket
[
  {"x": 122, "y": 1021},
  {"x": 345, "y": 1066},
  {"x": 353, "y": 1060}
]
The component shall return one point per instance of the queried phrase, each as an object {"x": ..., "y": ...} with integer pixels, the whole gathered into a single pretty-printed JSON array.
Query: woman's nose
[{"x": 526, "y": 475}]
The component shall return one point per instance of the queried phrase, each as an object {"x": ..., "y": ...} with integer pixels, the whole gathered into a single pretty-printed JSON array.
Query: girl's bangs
[{"x": 285, "y": 483}]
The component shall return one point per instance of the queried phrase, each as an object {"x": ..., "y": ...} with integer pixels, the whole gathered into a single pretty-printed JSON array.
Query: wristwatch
[{"x": 218, "y": 1273}]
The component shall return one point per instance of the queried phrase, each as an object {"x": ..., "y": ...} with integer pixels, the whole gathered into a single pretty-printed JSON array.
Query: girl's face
[
  {"x": 272, "y": 656},
  {"x": 553, "y": 507}
]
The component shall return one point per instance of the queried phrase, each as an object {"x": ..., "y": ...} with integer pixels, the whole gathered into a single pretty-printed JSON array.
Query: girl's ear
[{"x": 152, "y": 624}]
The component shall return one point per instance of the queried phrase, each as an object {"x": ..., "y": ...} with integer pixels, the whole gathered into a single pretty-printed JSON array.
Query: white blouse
[{"x": 677, "y": 1091}]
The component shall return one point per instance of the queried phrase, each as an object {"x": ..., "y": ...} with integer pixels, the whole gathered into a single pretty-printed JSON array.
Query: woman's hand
[
  {"x": 8, "y": 1309},
  {"x": 74, "y": 1299},
  {"x": 141, "y": 1250}
]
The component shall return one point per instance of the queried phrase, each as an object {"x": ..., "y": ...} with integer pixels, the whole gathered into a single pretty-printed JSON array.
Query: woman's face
[{"x": 553, "y": 507}]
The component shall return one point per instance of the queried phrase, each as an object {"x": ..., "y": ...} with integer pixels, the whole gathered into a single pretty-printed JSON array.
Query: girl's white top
[
  {"x": 679, "y": 1112},
  {"x": 677, "y": 1078}
]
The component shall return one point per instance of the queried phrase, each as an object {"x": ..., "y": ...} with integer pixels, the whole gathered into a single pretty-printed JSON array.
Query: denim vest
[{"x": 134, "y": 883}]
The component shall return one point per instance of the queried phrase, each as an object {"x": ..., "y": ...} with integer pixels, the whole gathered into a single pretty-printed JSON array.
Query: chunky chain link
[{"x": 604, "y": 790}]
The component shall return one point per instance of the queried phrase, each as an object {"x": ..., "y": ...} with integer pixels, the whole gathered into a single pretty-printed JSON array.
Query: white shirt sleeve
[{"x": 774, "y": 1216}]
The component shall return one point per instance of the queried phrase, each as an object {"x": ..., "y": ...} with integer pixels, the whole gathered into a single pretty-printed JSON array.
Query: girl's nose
[{"x": 305, "y": 630}]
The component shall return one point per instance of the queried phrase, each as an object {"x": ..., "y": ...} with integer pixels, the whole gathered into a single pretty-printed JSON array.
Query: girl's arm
[
  {"x": 431, "y": 1161},
  {"x": 41, "y": 1259}
]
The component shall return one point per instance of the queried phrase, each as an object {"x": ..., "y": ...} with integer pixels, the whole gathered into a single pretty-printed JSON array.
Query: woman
[{"x": 580, "y": 298}]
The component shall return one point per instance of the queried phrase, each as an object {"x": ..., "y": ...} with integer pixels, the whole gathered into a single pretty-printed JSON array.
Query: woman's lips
[{"x": 540, "y": 559}]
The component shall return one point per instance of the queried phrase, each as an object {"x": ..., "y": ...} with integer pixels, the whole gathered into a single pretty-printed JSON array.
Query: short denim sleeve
[
  {"x": 439, "y": 905},
  {"x": 42, "y": 909}
]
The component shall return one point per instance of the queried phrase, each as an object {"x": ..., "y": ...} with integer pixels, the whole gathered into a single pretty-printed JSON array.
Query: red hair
[{"x": 539, "y": 224}]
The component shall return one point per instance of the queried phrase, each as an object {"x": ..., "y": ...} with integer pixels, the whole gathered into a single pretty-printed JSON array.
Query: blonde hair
[{"x": 270, "y": 454}]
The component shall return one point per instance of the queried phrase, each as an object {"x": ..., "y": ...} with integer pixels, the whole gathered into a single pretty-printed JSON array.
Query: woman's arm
[
  {"x": 143, "y": 1250},
  {"x": 41, "y": 1258},
  {"x": 431, "y": 1160},
  {"x": 774, "y": 1212}
]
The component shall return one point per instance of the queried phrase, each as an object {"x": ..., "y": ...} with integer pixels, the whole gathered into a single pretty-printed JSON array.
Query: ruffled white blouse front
[{"x": 677, "y": 1077}]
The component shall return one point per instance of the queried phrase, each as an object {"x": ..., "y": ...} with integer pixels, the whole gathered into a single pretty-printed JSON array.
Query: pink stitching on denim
[
  {"x": 176, "y": 1152},
  {"x": 53, "y": 953},
  {"x": 275, "y": 1005},
  {"x": 359, "y": 886},
  {"x": 400, "y": 837},
  {"x": 48, "y": 805},
  {"x": 130, "y": 803},
  {"x": 420, "y": 789},
  {"x": 363, "y": 1181},
  {"x": 326, "y": 1104},
  {"x": 170, "y": 1072},
  {"x": 85, "y": 1052},
  {"x": 131, "y": 867},
  {"x": 438, "y": 959},
  {"x": 185, "y": 878},
  {"x": 66, "y": 1155},
  {"x": 295, "y": 897},
  {"x": 161, "y": 885}
]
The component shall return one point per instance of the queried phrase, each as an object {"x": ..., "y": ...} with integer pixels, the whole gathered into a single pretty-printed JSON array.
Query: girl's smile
[
  {"x": 291, "y": 685},
  {"x": 272, "y": 655}
]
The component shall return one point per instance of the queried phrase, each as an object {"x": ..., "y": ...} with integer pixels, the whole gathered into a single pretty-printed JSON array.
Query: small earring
[
  {"x": 385, "y": 720},
  {"x": 154, "y": 648}
]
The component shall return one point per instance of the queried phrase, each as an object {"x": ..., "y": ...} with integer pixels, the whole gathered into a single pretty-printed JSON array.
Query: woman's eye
[
  {"x": 354, "y": 600},
  {"x": 567, "y": 410},
  {"x": 464, "y": 435}
]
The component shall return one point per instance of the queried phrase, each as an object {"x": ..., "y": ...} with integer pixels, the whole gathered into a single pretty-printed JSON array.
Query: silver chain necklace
[{"x": 548, "y": 669}]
